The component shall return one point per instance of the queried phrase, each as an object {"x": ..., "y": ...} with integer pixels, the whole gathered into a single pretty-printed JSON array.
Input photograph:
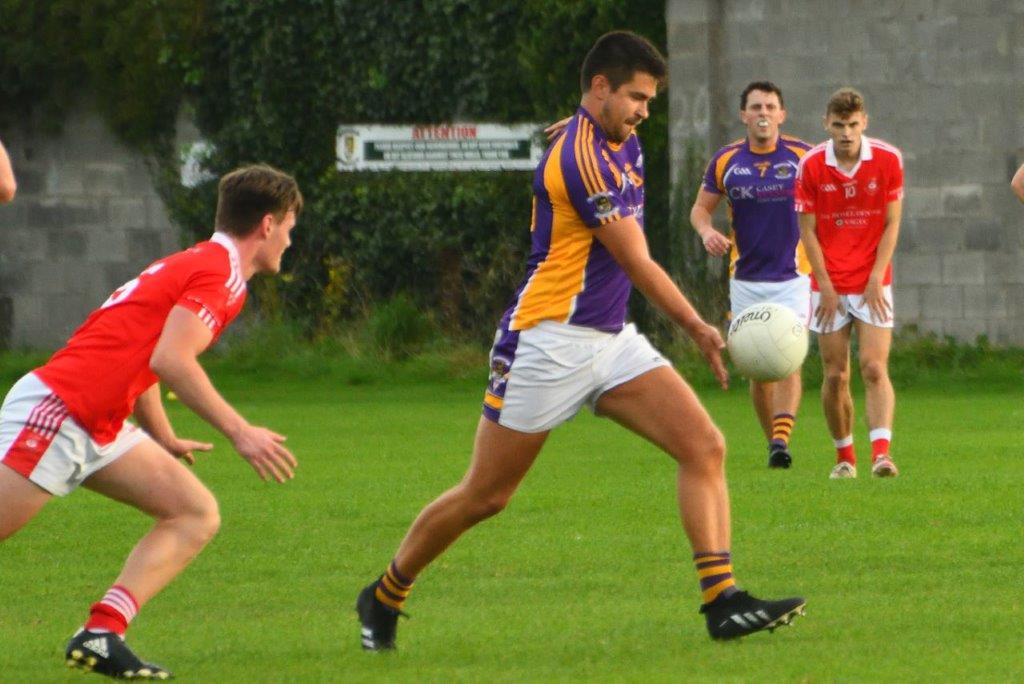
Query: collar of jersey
[
  {"x": 761, "y": 150},
  {"x": 227, "y": 243},
  {"x": 598, "y": 131},
  {"x": 865, "y": 153}
]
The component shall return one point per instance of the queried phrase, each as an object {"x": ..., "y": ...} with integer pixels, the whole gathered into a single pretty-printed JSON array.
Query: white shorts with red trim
[
  {"x": 42, "y": 442},
  {"x": 852, "y": 306}
]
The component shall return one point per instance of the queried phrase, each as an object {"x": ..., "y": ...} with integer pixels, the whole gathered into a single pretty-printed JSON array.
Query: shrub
[{"x": 398, "y": 328}]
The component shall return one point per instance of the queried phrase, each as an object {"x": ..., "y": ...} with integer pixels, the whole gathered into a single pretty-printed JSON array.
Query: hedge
[{"x": 271, "y": 81}]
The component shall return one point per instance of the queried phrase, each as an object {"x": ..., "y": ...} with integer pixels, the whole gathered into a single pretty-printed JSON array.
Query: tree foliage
[
  {"x": 133, "y": 58},
  {"x": 272, "y": 80}
]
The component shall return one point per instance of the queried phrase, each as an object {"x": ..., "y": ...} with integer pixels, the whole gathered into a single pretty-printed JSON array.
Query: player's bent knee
[
  {"x": 202, "y": 529},
  {"x": 209, "y": 521},
  {"x": 487, "y": 506},
  {"x": 200, "y": 520},
  {"x": 715, "y": 450},
  {"x": 211, "y": 525},
  {"x": 491, "y": 507},
  {"x": 704, "y": 451}
]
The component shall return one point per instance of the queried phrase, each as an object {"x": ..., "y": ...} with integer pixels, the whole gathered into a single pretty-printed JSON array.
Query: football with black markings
[{"x": 767, "y": 342}]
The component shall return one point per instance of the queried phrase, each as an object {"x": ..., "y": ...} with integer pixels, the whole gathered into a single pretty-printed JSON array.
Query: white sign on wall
[{"x": 443, "y": 147}]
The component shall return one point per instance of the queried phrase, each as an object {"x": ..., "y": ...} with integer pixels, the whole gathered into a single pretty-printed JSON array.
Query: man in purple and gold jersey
[
  {"x": 756, "y": 176},
  {"x": 564, "y": 343}
]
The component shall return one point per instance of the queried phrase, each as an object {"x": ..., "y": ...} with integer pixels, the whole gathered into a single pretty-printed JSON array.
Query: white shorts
[
  {"x": 43, "y": 443},
  {"x": 795, "y": 294},
  {"x": 541, "y": 377},
  {"x": 852, "y": 306}
]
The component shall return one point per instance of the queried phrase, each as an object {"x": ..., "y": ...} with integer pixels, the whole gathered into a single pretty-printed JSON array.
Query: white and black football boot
[
  {"x": 741, "y": 614},
  {"x": 378, "y": 621},
  {"x": 106, "y": 653}
]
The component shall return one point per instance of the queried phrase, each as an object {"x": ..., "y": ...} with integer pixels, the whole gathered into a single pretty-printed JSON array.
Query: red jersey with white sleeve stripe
[
  {"x": 104, "y": 367},
  {"x": 850, "y": 208}
]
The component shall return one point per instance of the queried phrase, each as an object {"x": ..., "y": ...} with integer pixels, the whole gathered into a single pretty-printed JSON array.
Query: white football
[{"x": 767, "y": 342}]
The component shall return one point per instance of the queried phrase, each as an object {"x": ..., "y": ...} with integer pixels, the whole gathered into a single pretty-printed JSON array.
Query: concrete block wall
[
  {"x": 942, "y": 81},
  {"x": 86, "y": 219}
]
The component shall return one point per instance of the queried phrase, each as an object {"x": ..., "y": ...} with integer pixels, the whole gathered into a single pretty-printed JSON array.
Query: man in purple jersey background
[
  {"x": 564, "y": 343},
  {"x": 756, "y": 176}
]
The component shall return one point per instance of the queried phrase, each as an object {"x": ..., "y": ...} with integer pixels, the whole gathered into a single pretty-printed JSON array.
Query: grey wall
[
  {"x": 85, "y": 220},
  {"x": 944, "y": 81}
]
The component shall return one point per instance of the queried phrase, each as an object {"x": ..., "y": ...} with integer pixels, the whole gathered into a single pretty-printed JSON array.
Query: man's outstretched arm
[
  {"x": 149, "y": 412},
  {"x": 175, "y": 361},
  {"x": 625, "y": 240}
]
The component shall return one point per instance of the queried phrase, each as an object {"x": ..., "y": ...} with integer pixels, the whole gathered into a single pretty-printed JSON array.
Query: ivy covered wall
[{"x": 271, "y": 81}]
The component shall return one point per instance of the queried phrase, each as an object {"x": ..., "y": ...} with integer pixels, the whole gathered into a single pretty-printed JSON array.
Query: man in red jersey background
[
  {"x": 64, "y": 424},
  {"x": 849, "y": 197}
]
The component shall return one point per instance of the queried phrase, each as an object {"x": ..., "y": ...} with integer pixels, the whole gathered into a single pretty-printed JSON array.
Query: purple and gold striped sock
[
  {"x": 393, "y": 588},
  {"x": 782, "y": 428},
  {"x": 714, "y": 568}
]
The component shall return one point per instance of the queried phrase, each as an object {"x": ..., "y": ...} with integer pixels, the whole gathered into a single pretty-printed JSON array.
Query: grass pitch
[{"x": 586, "y": 576}]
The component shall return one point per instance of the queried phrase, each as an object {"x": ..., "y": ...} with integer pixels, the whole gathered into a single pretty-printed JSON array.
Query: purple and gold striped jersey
[
  {"x": 759, "y": 185},
  {"x": 583, "y": 181}
]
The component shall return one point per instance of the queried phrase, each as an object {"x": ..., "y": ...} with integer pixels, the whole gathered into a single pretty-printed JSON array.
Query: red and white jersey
[
  {"x": 850, "y": 208},
  {"x": 105, "y": 365}
]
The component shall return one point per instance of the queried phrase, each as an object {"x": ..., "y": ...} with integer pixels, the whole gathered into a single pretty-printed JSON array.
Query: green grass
[{"x": 586, "y": 576}]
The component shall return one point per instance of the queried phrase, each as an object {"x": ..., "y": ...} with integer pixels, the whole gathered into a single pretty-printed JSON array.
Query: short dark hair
[
  {"x": 845, "y": 102},
  {"x": 764, "y": 87},
  {"x": 249, "y": 193},
  {"x": 618, "y": 55}
]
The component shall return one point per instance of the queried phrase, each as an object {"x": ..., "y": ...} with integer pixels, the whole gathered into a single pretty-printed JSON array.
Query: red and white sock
[
  {"x": 844, "y": 450},
  {"x": 114, "y": 612},
  {"x": 880, "y": 439}
]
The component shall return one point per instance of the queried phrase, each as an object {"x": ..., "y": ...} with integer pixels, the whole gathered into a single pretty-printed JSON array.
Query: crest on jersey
[
  {"x": 872, "y": 186},
  {"x": 603, "y": 205},
  {"x": 784, "y": 170}
]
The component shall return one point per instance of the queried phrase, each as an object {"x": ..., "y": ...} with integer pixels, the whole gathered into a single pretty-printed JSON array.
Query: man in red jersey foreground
[
  {"x": 849, "y": 197},
  {"x": 64, "y": 424}
]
